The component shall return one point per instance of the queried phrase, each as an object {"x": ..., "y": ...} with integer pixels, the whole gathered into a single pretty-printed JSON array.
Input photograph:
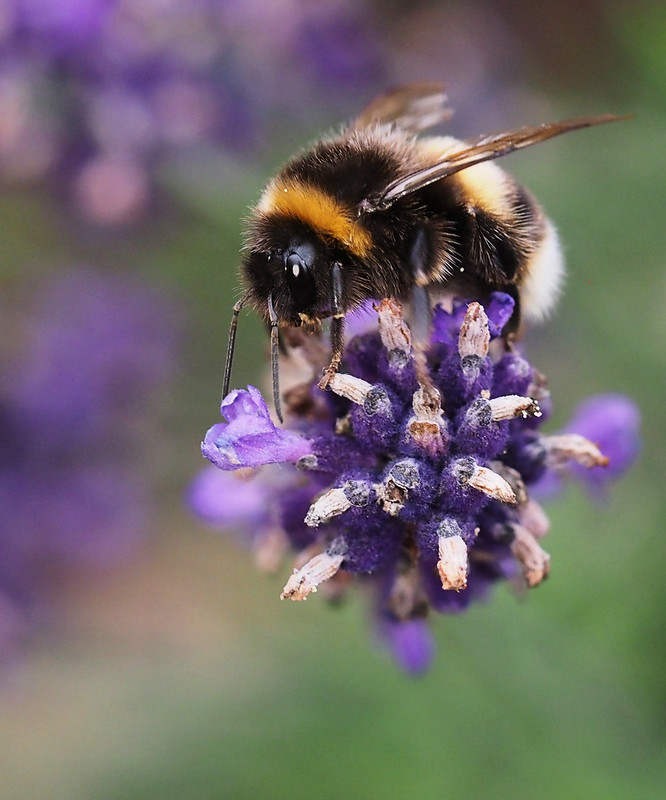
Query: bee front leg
[
  {"x": 337, "y": 327},
  {"x": 337, "y": 342},
  {"x": 275, "y": 349}
]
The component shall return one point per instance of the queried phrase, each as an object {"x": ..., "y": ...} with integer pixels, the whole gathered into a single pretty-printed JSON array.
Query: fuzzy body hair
[{"x": 482, "y": 230}]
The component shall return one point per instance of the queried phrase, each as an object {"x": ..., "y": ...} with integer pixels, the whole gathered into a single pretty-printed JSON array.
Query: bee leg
[
  {"x": 282, "y": 345},
  {"x": 231, "y": 344},
  {"x": 337, "y": 342},
  {"x": 419, "y": 316},
  {"x": 419, "y": 301},
  {"x": 337, "y": 326},
  {"x": 275, "y": 351}
]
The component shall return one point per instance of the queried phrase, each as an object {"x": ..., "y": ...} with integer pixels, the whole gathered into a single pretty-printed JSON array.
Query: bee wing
[
  {"x": 411, "y": 108},
  {"x": 486, "y": 148}
]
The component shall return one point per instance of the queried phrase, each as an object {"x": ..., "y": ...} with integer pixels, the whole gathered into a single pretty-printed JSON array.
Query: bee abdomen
[{"x": 498, "y": 225}]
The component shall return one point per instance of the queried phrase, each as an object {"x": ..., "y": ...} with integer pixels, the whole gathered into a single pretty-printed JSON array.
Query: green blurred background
[{"x": 181, "y": 675}]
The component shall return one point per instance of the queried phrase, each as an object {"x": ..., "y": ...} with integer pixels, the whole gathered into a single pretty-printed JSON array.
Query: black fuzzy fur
[{"x": 467, "y": 247}]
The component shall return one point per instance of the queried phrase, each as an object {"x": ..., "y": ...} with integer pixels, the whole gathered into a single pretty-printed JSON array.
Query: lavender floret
[{"x": 249, "y": 438}]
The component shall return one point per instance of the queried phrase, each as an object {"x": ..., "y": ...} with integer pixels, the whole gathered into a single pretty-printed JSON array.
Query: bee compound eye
[{"x": 300, "y": 281}]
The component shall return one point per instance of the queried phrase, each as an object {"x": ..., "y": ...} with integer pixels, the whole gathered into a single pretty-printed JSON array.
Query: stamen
[
  {"x": 534, "y": 518},
  {"x": 513, "y": 478},
  {"x": 427, "y": 426},
  {"x": 306, "y": 579},
  {"x": 354, "y": 389},
  {"x": 308, "y": 462},
  {"x": 467, "y": 471},
  {"x": 513, "y": 405},
  {"x": 270, "y": 549},
  {"x": 453, "y": 564},
  {"x": 407, "y": 599},
  {"x": 330, "y": 504},
  {"x": 394, "y": 490},
  {"x": 573, "y": 447},
  {"x": 393, "y": 330},
  {"x": 391, "y": 496},
  {"x": 336, "y": 501},
  {"x": 535, "y": 560},
  {"x": 474, "y": 338}
]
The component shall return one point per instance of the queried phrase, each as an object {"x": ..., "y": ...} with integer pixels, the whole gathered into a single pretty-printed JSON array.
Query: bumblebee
[{"x": 378, "y": 211}]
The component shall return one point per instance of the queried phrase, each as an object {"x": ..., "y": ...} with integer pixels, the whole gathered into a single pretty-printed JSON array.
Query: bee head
[
  {"x": 294, "y": 268},
  {"x": 300, "y": 268}
]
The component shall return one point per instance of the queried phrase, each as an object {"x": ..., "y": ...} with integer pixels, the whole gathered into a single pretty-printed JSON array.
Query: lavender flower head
[{"x": 413, "y": 474}]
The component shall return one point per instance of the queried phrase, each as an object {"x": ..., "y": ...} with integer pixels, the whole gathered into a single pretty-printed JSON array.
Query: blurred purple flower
[
  {"x": 94, "y": 350},
  {"x": 410, "y": 643},
  {"x": 419, "y": 482},
  {"x": 62, "y": 25},
  {"x": 97, "y": 345},
  {"x": 612, "y": 422},
  {"x": 339, "y": 47},
  {"x": 101, "y": 94},
  {"x": 222, "y": 500}
]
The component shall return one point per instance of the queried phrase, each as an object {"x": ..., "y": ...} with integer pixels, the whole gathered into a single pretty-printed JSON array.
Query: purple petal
[
  {"x": 361, "y": 320},
  {"x": 222, "y": 499},
  {"x": 249, "y": 438},
  {"x": 612, "y": 422},
  {"x": 240, "y": 403},
  {"x": 410, "y": 643},
  {"x": 499, "y": 311},
  {"x": 446, "y": 324}
]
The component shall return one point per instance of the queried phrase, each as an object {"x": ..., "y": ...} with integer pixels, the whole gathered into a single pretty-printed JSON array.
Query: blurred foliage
[{"x": 181, "y": 676}]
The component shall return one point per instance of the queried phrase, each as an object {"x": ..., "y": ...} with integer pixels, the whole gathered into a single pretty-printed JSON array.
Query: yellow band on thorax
[{"x": 323, "y": 213}]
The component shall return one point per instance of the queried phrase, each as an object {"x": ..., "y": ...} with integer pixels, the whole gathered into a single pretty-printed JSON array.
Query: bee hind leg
[{"x": 419, "y": 305}]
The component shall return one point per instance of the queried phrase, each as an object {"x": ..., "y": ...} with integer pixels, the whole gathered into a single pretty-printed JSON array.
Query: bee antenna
[
  {"x": 275, "y": 350},
  {"x": 231, "y": 344}
]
